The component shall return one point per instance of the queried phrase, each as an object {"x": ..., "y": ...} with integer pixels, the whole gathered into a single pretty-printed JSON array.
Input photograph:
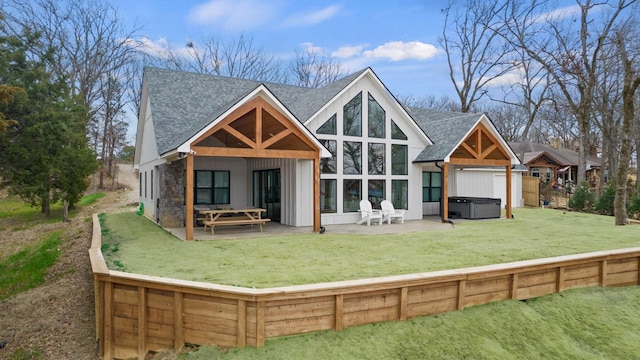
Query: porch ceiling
[
  {"x": 480, "y": 148},
  {"x": 256, "y": 130}
]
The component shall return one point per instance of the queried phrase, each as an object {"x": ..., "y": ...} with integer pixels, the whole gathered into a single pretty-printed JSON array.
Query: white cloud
[
  {"x": 315, "y": 17},
  {"x": 232, "y": 14},
  {"x": 309, "y": 48},
  {"x": 158, "y": 48},
  {"x": 348, "y": 51},
  {"x": 398, "y": 50}
]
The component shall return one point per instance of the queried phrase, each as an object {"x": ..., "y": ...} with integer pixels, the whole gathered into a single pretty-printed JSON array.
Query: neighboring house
[
  {"x": 555, "y": 164},
  {"x": 308, "y": 156}
]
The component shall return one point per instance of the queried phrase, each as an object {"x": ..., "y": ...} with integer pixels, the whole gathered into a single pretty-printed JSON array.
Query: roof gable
[
  {"x": 186, "y": 103},
  {"x": 449, "y": 130}
]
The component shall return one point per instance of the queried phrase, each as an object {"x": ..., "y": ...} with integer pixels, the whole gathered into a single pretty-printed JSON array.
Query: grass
[
  {"x": 593, "y": 323},
  {"x": 20, "y": 215},
  {"x": 27, "y": 268},
  {"x": 273, "y": 261}
]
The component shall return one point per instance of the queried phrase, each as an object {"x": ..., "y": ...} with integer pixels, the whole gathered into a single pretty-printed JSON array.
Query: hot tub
[{"x": 465, "y": 207}]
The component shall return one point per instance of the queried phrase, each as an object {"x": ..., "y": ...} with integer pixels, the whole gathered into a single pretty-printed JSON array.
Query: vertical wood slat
[
  {"x": 560, "y": 279},
  {"x": 108, "y": 321},
  {"x": 258, "y": 125},
  {"x": 339, "y": 312},
  {"x": 404, "y": 298},
  {"x": 260, "y": 323},
  {"x": 142, "y": 322},
  {"x": 461, "y": 294},
  {"x": 242, "y": 323},
  {"x": 178, "y": 321},
  {"x": 98, "y": 297},
  {"x": 603, "y": 273},
  {"x": 514, "y": 286}
]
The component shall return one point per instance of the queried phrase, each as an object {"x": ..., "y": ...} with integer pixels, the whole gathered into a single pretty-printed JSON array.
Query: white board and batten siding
[
  {"x": 296, "y": 188},
  {"x": 489, "y": 183}
]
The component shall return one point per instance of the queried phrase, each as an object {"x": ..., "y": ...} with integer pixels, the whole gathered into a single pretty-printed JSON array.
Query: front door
[{"x": 266, "y": 192}]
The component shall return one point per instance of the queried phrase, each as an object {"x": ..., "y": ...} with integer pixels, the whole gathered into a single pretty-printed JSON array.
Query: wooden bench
[{"x": 236, "y": 220}]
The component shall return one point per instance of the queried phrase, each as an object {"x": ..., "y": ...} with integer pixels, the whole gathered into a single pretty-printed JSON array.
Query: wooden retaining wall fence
[{"x": 136, "y": 314}]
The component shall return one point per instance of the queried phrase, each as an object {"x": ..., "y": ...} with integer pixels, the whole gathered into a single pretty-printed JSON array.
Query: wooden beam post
[
  {"x": 509, "y": 215},
  {"x": 189, "y": 198},
  {"x": 142, "y": 322},
  {"x": 316, "y": 193},
  {"x": 445, "y": 192},
  {"x": 178, "y": 321}
]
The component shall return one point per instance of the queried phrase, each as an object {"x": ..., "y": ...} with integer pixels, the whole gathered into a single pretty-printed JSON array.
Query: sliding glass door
[{"x": 266, "y": 192}]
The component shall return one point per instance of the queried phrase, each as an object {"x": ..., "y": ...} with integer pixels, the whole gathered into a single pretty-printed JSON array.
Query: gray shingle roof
[
  {"x": 564, "y": 156},
  {"x": 445, "y": 129},
  {"x": 184, "y": 103}
]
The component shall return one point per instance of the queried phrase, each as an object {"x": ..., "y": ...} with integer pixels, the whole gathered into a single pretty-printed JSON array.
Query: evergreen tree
[{"x": 45, "y": 157}]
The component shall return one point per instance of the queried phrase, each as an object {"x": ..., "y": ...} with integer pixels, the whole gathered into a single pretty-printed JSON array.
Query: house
[
  {"x": 551, "y": 163},
  {"x": 308, "y": 156}
]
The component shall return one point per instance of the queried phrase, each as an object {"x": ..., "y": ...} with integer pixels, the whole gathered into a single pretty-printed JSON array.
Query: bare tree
[
  {"x": 237, "y": 58},
  {"x": 443, "y": 102},
  {"x": 476, "y": 53},
  {"x": 509, "y": 120},
  {"x": 572, "y": 60},
  {"x": 314, "y": 69},
  {"x": 607, "y": 106},
  {"x": 91, "y": 50},
  {"x": 631, "y": 84}
]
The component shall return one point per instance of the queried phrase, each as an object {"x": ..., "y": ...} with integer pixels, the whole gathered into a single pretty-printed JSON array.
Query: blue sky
[{"x": 398, "y": 39}]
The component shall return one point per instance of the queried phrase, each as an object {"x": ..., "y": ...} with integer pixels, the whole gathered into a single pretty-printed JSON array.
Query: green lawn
[
  {"x": 593, "y": 323},
  {"x": 135, "y": 244}
]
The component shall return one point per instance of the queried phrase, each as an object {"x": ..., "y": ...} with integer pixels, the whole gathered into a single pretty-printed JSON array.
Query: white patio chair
[
  {"x": 389, "y": 212},
  {"x": 368, "y": 213}
]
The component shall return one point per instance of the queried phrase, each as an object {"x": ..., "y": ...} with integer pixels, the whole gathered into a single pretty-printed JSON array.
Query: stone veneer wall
[{"x": 171, "y": 212}]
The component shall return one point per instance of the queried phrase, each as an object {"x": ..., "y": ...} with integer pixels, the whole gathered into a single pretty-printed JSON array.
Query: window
[
  {"x": 151, "y": 184},
  {"x": 396, "y": 133},
  {"x": 352, "y": 195},
  {"x": 352, "y": 117},
  {"x": 328, "y": 196},
  {"x": 376, "y": 123},
  {"x": 400, "y": 194},
  {"x": 145, "y": 185},
  {"x": 329, "y": 127},
  {"x": 399, "y": 159},
  {"x": 376, "y": 193},
  {"x": 212, "y": 187},
  {"x": 329, "y": 165},
  {"x": 376, "y": 159},
  {"x": 431, "y": 186},
  {"x": 352, "y": 157},
  {"x": 140, "y": 187}
]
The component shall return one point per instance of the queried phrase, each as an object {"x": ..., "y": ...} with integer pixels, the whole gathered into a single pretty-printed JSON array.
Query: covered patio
[{"x": 431, "y": 223}]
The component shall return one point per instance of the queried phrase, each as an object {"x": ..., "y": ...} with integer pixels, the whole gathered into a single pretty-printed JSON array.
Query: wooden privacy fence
[
  {"x": 531, "y": 191},
  {"x": 136, "y": 314}
]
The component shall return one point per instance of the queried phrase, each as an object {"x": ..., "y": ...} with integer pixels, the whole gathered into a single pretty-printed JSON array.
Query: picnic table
[{"x": 225, "y": 217}]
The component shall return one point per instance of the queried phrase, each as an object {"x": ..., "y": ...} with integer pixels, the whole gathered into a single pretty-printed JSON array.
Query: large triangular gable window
[{"x": 329, "y": 127}]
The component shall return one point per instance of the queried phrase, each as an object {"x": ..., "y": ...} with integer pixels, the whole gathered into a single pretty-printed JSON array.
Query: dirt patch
[{"x": 57, "y": 320}]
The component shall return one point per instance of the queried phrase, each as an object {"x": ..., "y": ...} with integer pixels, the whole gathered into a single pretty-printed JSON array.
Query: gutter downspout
[{"x": 441, "y": 200}]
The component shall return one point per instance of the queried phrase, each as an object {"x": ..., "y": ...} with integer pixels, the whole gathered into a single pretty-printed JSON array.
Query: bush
[
  {"x": 604, "y": 204},
  {"x": 582, "y": 199},
  {"x": 633, "y": 206}
]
